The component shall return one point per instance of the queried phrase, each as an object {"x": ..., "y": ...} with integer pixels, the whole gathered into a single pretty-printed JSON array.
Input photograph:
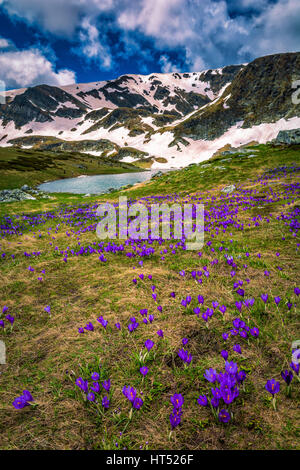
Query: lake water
[{"x": 96, "y": 184}]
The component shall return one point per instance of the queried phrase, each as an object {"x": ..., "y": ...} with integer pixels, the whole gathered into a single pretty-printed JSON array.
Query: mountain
[{"x": 163, "y": 120}]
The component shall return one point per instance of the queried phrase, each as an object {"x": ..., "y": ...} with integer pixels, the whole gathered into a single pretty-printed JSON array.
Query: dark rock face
[
  {"x": 260, "y": 92},
  {"x": 288, "y": 137},
  {"x": 39, "y": 104}
]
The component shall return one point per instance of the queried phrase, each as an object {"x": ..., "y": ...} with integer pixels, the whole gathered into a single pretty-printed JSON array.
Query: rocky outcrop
[
  {"x": 288, "y": 137},
  {"x": 261, "y": 92},
  {"x": 23, "y": 194}
]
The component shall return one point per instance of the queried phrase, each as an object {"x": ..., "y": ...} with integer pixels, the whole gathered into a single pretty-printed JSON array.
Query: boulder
[
  {"x": 228, "y": 189},
  {"x": 13, "y": 195},
  {"x": 288, "y": 137}
]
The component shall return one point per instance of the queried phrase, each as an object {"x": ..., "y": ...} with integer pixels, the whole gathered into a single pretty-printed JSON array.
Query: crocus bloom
[
  {"x": 295, "y": 367},
  {"x": 287, "y": 376},
  {"x": 202, "y": 400},
  {"x": 20, "y": 403},
  {"x": 224, "y": 354},
  {"x": 137, "y": 403},
  {"x": 210, "y": 375},
  {"x": 174, "y": 420},
  {"x": 82, "y": 384},
  {"x": 144, "y": 370},
  {"x": 1, "y": 323},
  {"x": 106, "y": 385},
  {"x": 177, "y": 400},
  {"x": 105, "y": 402},
  {"x": 237, "y": 348},
  {"x": 264, "y": 297},
  {"x": 102, "y": 321},
  {"x": 95, "y": 376},
  {"x": 254, "y": 332},
  {"x": 272, "y": 386},
  {"x": 224, "y": 416},
  {"x": 277, "y": 300},
  {"x": 231, "y": 367},
  {"x": 10, "y": 319},
  {"x": 149, "y": 344},
  {"x": 90, "y": 396},
  {"x": 95, "y": 387},
  {"x": 129, "y": 392},
  {"x": 47, "y": 309},
  {"x": 160, "y": 333}
]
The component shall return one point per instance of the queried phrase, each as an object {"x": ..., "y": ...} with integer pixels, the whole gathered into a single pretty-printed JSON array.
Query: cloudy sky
[{"x": 59, "y": 42}]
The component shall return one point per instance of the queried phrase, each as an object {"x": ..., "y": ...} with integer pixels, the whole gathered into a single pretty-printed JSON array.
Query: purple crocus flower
[
  {"x": 177, "y": 400},
  {"x": 237, "y": 348},
  {"x": 210, "y": 375},
  {"x": 295, "y": 367},
  {"x": 102, "y": 321},
  {"x": 20, "y": 403},
  {"x": 95, "y": 376},
  {"x": 174, "y": 420},
  {"x": 90, "y": 396},
  {"x": 224, "y": 416},
  {"x": 80, "y": 330},
  {"x": 287, "y": 376},
  {"x": 160, "y": 333},
  {"x": 47, "y": 309},
  {"x": 231, "y": 367},
  {"x": 89, "y": 326},
  {"x": 272, "y": 386},
  {"x": 185, "y": 356},
  {"x": 264, "y": 297},
  {"x": 149, "y": 344},
  {"x": 144, "y": 370},
  {"x": 185, "y": 341},
  {"x": 202, "y": 400},
  {"x": 137, "y": 403},
  {"x": 222, "y": 309},
  {"x": 224, "y": 354},
  {"x": 95, "y": 387},
  {"x": 82, "y": 384},
  {"x": 105, "y": 402},
  {"x": 129, "y": 392},
  {"x": 1, "y": 323},
  {"x": 297, "y": 291},
  {"x": 106, "y": 385},
  {"x": 254, "y": 332},
  {"x": 277, "y": 300}
]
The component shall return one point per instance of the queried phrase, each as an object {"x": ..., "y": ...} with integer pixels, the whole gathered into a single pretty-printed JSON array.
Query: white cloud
[
  {"x": 92, "y": 47},
  {"x": 207, "y": 33},
  {"x": 166, "y": 65},
  {"x": 29, "y": 67}
]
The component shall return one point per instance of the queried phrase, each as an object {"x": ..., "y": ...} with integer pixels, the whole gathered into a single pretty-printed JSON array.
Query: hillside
[
  {"x": 174, "y": 119},
  {"x": 79, "y": 313}
]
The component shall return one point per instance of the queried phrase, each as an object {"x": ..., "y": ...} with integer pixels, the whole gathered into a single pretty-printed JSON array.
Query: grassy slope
[
  {"x": 32, "y": 167},
  {"x": 45, "y": 354}
]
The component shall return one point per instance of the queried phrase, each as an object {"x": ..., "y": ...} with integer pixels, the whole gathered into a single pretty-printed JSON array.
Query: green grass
[
  {"x": 32, "y": 167},
  {"x": 46, "y": 354}
]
